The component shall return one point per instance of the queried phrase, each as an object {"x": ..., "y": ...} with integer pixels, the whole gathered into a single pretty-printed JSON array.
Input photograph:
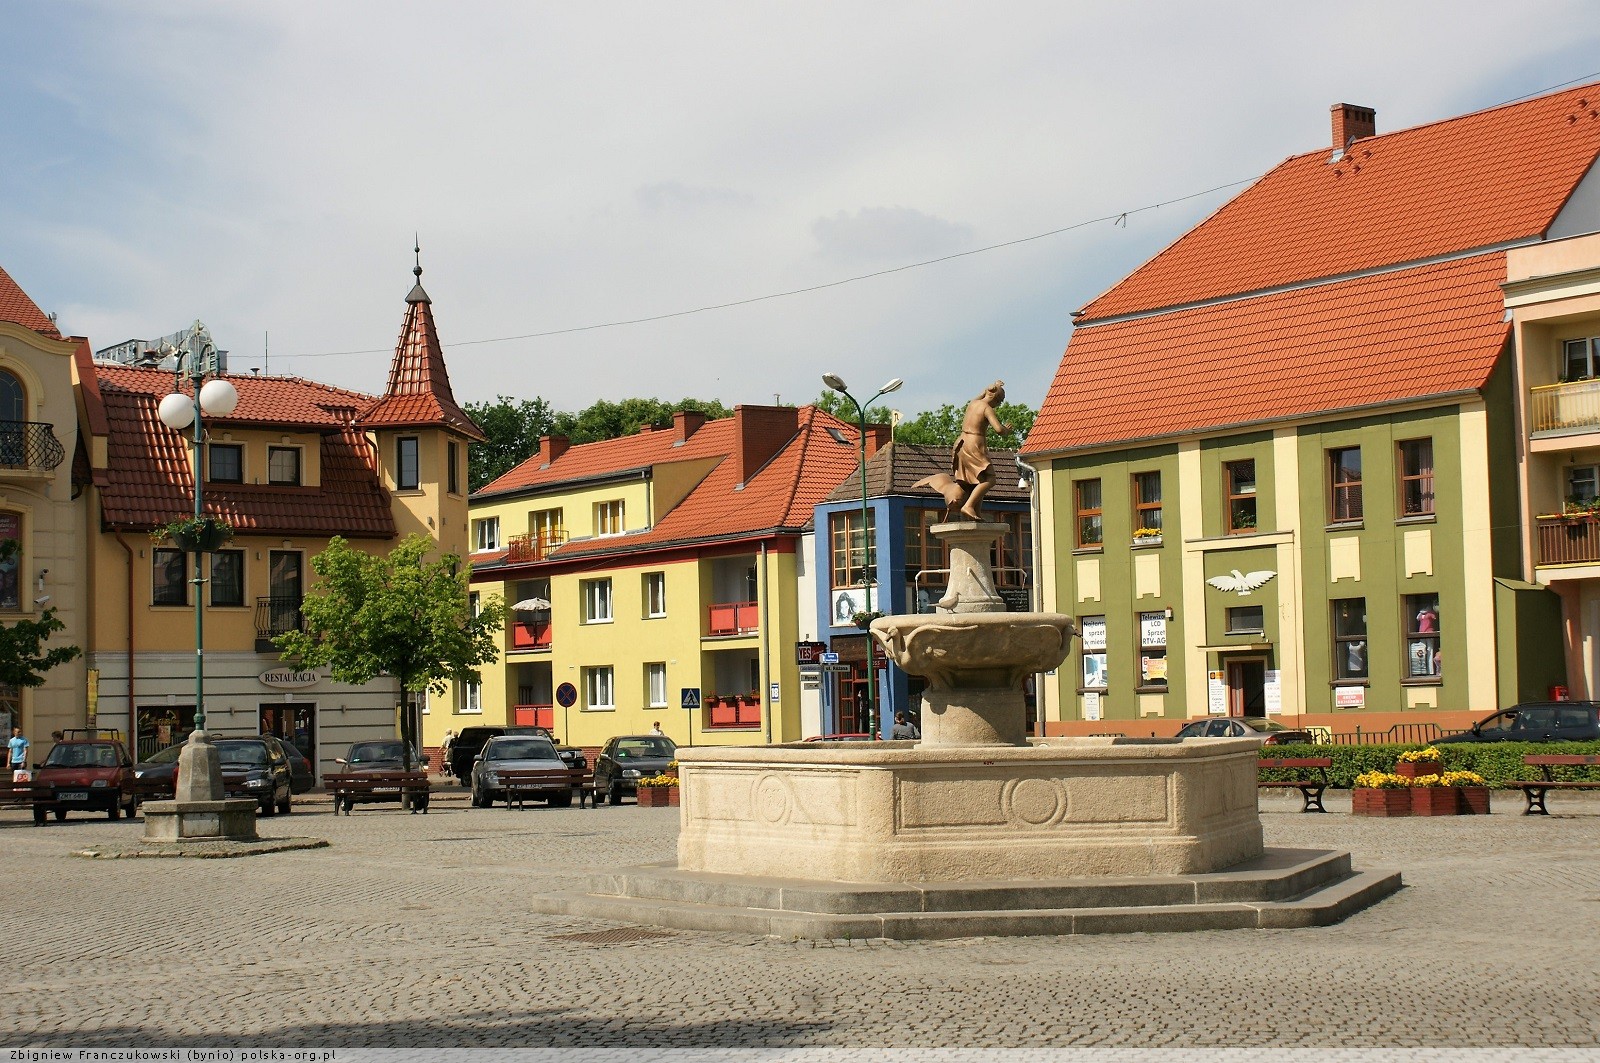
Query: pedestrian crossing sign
[{"x": 691, "y": 697}]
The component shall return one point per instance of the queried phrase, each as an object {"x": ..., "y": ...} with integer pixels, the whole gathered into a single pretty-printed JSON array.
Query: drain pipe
[
  {"x": 766, "y": 641},
  {"x": 1035, "y": 592},
  {"x": 133, "y": 730}
]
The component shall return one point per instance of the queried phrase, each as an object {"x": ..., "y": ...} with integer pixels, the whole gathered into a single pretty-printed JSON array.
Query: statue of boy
[{"x": 969, "y": 458}]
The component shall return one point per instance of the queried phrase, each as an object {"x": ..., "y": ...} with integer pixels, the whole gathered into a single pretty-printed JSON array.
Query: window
[
  {"x": 1350, "y": 638},
  {"x": 1583, "y": 484},
  {"x": 1240, "y": 479},
  {"x": 452, "y": 472},
  {"x": 1344, "y": 484},
  {"x": 11, "y": 568},
  {"x": 283, "y": 466},
  {"x": 1090, "y": 530},
  {"x": 545, "y": 525},
  {"x": 845, "y": 546},
  {"x": 486, "y": 533},
  {"x": 655, "y": 684},
  {"x": 1245, "y": 620},
  {"x": 227, "y": 463},
  {"x": 1581, "y": 359},
  {"x": 227, "y": 577},
  {"x": 655, "y": 594},
  {"x": 608, "y": 517},
  {"x": 1092, "y": 638},
  {"x": 597, "y": 689},
  {"x": 407, "y": 465},
  {"x": 596, "y": 601},
  {"x": 1422, "y": 636},
  {"x": 471, "y": 699},
  {"x": 1153, "y": 649},
  {"x": 1416, "y": 478},
  {"x": 1146, "y": 504},
  {"x": 171, "y": 571}
]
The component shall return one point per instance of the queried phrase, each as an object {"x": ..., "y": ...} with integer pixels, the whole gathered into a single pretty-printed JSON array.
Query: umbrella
[{"x": 531, "y": 605}]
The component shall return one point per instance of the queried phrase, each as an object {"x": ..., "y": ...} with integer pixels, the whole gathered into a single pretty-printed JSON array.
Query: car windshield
[
  {"x": 82, "y": 755},
  {"x": 243, "y": 754},
  {"x": 165, "y": 756},
  {"x": 1257, "y": 724},
  {"x": 521, "y": 749},
  {"x": 371, "y": 751},
  {"x": 638, "y": 748}
]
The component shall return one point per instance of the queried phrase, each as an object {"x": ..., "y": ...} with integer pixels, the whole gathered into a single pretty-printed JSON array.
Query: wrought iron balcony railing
[
  {"x": 276, "y": 616},
  {"x": 30, "y": 445}
]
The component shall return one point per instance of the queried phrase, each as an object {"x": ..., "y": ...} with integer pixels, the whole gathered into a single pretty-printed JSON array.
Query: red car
[{"x": 89, "y": 775}]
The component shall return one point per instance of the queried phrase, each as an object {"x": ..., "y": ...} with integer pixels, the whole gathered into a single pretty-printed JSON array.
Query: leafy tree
[
  {"x": 942, "y": 427},
  {"x": 399, "y": 614},
  {"x": 23, "y": 658},
  {"x": 513, "y": 428},
  {"x": 608, "y": 420}
]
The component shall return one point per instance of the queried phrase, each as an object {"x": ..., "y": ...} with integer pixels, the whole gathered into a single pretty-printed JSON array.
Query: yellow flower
[{"x": 1430, "y": 755}]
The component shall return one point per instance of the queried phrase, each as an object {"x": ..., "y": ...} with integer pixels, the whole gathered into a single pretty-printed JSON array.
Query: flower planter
[
  {"x": 1415, "y": 769},
  {"x": 1473, "y": 800},
  {"x": 1365, "y": 801},
  {"x": 1435, "y": 801},
  {"x": 656, "y": 796},
  {"x": 201, "y": 538},
  {"x": 672, "y": 796}
]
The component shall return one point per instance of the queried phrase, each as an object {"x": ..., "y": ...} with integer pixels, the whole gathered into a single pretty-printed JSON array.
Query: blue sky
[{"x": 262, "y": 166}]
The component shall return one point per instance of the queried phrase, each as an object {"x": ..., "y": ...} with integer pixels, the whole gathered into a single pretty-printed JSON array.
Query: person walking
[
  {"x": 17, "y": 750},
  {"x": 903, "y": 728},
  {"x": 656, "y": 730},
  {"x": 444, "y": 751}
]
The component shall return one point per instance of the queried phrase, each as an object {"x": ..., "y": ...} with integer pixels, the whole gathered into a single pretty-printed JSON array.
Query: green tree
[
  {"x": 397, "y": 614},
  {"x": 609, "y": 420},
  {"x": 23, "y": 658},
  {"x": 942, "y": 427},
  {"x": 513, "y": 428}
]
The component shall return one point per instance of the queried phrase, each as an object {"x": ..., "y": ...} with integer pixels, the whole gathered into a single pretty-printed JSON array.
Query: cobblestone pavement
[{"x": 410, "y": 930}]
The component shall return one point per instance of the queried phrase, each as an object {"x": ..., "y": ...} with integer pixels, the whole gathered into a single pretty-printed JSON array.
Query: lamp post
[
  {"x": 834, "y": 381},
  {"x": 178, "y": 411}
]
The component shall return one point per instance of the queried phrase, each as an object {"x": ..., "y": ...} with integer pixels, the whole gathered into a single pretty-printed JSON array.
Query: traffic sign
[
  {"x": 828, "y": 658},
  {"x": 566, "y": 695},
  {"x": 691, "y": 697}
]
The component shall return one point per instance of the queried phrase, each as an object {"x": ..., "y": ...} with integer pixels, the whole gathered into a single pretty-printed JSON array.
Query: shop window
[
  {"x": 1092, "y": 638},
  {"x": 1344, "y": 485},
  {"x": 1091, "y": 530},
  {"x": 170, "y": 569},
  {"x": 11, "y": 567},
  {"x": 1350, "y": 638},
  {"x": 226, "y": 464},
  {"x": 1416, "y": 478},
  {"x": 227, "y": 577},
  {"x": 1422, "y": 636},
  {"x": 1153, "y": 649}
]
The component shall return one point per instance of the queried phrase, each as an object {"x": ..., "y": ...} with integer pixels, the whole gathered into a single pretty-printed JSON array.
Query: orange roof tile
[
  {"x": 148, "y": 482},
  {"x": 1425, "y": 331},
  {"x": 15, "y": 306},
  {"x": 638, "y": 451},
  {"x": 1461, "y": 184},
  {"x": 419, "y": 385}
]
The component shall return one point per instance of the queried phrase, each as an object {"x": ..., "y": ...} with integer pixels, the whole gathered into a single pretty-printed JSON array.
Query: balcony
[
  {"x": 29, "y": 446},
  {"x": 533, "y": 547},
  {"x": 534, "y": 716},
  {"x": 274, "y": 617},
  {"x": 1569, "y": 407},
  {"x": 732, "y": 711},
  {"x": 1569, "y": 540},
  {"x": 531, "y": 635},
  {"x": 733, "y": 618}
]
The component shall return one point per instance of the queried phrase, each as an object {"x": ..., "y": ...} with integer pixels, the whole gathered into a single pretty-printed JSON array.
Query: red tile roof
[
  {"x": 1431, "y": 330},
  {"x": 637, "y": 451},
  {"x": 148, "y": 482},
  {"x": 1464, "y": 183},
  {"x": 419, "y": 392},
  {"x": 15, "y": 306}
]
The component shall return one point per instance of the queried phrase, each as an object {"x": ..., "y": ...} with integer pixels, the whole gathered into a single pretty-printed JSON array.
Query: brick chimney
[
  {"x": 1352, "y": 122},
  {"x": 878, "y": 436},
  {"x": 551, "y": 448},
  {"x": 761, "y": 431},
  {"x": 686, "y": 423}
]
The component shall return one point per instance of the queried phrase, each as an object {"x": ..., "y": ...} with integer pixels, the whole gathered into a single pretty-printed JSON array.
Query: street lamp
[
  {"x": 834, "y": 381},
  {"x": 201, "y": 776}
]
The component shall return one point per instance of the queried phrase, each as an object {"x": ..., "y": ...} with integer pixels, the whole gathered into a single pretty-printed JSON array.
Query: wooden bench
[
  {"x": 1536, "y": 789},
  {"x": 36, "y": 796},
  {"x": 410, "y": 788},
  {"x": 1311, "y": 790},
  {"x": 554, "y": 784}
]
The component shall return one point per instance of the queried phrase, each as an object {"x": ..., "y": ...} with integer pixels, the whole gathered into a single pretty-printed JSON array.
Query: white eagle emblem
[{"x": 1243, "y": 582}]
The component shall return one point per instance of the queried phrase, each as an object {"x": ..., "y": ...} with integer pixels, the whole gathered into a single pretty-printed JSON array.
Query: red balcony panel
[
  {"x": 534, "y": 716},
  {"x": 535, "y": 636},
  {"x": 733, "y": 618}
]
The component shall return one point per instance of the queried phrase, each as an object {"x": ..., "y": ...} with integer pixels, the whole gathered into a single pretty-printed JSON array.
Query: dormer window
[
  {"x": 283, "y": 466},
  {"x": 227, "y": 463},
  {"x": 1581, "y": 359},
  {"x": 608, "y": 517}
]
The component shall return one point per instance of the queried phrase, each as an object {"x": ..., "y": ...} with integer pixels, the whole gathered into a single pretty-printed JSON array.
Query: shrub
[{"x": 1496, "y": 762}]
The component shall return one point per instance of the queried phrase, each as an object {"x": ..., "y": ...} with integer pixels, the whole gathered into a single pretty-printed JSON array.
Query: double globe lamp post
[{"x": 834, "y": 381}]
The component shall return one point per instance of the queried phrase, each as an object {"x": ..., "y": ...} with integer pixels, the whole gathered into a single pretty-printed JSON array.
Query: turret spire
[{"x": 417, "y": 294}]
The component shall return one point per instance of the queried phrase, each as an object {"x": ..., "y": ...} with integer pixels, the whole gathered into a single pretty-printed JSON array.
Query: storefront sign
[
  {"x": 1217, "y": 694},
  {"x": 1349, "y": 697},
  {"x": 1152, "y": 629},
  {"x": 1093, "y": 634},
  {"x": 1272, "y": 692},
  {"x": 287, "y": 679},
  {"x": 808, "y": 652}
]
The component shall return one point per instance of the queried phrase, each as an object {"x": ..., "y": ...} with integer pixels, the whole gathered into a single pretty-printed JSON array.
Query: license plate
[{"x": 72, "y": 795}]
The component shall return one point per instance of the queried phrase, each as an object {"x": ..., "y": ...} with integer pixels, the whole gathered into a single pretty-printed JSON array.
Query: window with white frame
[
  {"x": 608, "y": 517},
  {"x": 1581, "y": 358},
  {"x": 486, "y": 534},
  {"x": 596, "y": 601},
  {"x": 655, "y": 684},
  {"x": 598, "y": 692},
  {"x": 655, "y": 594},
  {"x": 471, "y": 699}
]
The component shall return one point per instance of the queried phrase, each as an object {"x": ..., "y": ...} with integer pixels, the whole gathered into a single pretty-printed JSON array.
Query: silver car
[{"x": 520, "y": 753}]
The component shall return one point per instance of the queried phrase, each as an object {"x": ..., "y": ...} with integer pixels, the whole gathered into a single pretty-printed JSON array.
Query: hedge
[{"x": 1497, "y": 762}]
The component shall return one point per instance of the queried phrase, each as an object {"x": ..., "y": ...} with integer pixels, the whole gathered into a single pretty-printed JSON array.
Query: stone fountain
[{"x": 976, "y": 829}]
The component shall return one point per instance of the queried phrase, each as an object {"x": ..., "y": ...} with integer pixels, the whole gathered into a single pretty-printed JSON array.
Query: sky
[{"x": 263, "y": 167}]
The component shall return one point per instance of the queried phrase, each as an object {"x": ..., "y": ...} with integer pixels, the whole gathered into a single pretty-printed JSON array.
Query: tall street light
[
  {"x": 200, "y": 777},
  {"x": 834, "y": 381}
]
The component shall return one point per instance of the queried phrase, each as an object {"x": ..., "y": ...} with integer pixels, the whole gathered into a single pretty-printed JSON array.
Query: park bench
[
  {"x": 36, "y": 796},
  {"x": 410, "y": 788},
  {"x": 1536, "y": 789},
  {"x": 1311, "y": 790},
  {"x": 553, "y": 784}
]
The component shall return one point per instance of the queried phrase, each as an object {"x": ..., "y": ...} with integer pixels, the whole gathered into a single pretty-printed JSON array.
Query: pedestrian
[
  {"x": 656, "y": 730},
  {"x": 903, "y": 728},
  {"x": 444, "y": 750},
  {"x": 58, "y": 736},
  {"x": 17, "y": 750}
]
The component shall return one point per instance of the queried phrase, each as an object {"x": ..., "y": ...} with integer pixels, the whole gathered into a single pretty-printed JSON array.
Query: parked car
[
  {"x": 1268, "y": 732},
  {"x": 628, "y": 758},
  {"x": 1536, "y": 721},
  {"x": 155, "y": 778},
  {"x": 853, "y": 737},
  {"x": 88, "y": 774},
  {"x": 257, "y": 768},
  {"x": 386, "y": 757},
  {"x": 301, "y": 775},
  {"x": 470, "y": 742},
  {"x": 519, "y": 753}
]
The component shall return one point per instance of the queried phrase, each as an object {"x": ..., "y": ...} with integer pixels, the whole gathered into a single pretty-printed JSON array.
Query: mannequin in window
[
  {"x": 1355, "y": 658},
  {"x": 1427, "y": 619}
]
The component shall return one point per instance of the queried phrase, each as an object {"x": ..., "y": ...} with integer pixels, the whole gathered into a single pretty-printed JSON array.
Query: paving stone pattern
[{"x": 410, "y": 930}]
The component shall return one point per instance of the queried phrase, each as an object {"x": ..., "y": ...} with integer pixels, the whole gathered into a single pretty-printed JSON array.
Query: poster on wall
[
  {"x": 1094, "y": 670},
  {"x": 1349, "y": 697},
  {"x": 1152, "y": 629},
  {"x": 1154, "y": 669},
  {"x": 10, "y": 584},
  {"x": 1091, "y": 705},
  {"x": 1093, "y": 635},
  {"x": 1272, "y": 692},
  {"x": 1216, "y": 694},
  {"x": 847, "y": 602}
]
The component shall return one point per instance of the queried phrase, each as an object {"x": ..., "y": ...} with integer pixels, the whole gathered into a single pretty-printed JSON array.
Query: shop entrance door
[
  {"x": 1247, "y": 687},
  {"x": 295, "y": 724}
]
